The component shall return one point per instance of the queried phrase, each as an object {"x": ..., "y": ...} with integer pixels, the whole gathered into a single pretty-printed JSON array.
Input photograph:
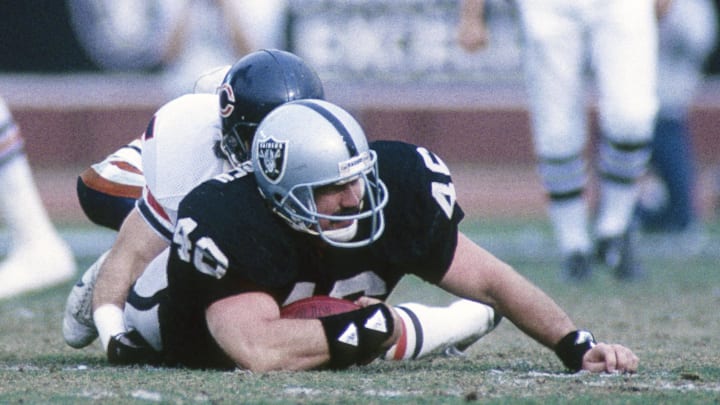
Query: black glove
[{"x": 130, "y": 348}]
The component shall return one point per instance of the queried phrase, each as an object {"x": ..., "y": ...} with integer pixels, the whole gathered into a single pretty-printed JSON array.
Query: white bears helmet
[{"x": 306, "y": 144}]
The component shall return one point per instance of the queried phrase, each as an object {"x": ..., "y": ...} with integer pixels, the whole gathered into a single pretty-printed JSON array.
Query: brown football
[{"x": 316, "y": 307}]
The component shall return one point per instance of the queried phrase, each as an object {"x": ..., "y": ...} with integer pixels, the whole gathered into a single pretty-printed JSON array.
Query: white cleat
[
  {"x": 35, "y": 266},
  {"x": 78, "y": 325}
]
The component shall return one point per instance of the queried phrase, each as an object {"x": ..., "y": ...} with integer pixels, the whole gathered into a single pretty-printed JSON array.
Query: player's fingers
[
  {"x": 635, "y": 363},
  {"x": 627, "y": 360},
  {"x": 594, "y": 366},
  {"x": 367, "y": 301},
  {"x": 610, "y": 358},
  {"x": 600, "y": 358}
]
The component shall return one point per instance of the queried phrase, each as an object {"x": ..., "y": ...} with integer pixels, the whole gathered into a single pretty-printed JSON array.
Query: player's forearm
[
  {"x": 248, "y": 328},
  {"x": 290, "y": 345},
  {"x": 113, "y": 283},
  {"x": 478, "y": 275},
  {"x": 532, "y": 311},
  {"x": 109, "y": 293},
  {"x": 136, "y": 245}
]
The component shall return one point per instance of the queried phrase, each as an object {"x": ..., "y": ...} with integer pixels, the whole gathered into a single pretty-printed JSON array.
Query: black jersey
[{"x": 228, "y": 241}]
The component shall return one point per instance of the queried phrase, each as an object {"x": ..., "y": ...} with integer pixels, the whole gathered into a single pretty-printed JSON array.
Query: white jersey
[{"x": 177, "y": 155}]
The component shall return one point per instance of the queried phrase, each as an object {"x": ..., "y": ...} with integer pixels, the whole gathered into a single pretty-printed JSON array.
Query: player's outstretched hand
[{"x": 610, "y": 358}]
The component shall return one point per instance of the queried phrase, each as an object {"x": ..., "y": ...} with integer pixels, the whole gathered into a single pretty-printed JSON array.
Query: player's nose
[{"x": 350, "y": 195}]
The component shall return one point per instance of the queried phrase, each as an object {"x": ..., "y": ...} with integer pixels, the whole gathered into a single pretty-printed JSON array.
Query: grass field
[{"x": 671, "y": 320}]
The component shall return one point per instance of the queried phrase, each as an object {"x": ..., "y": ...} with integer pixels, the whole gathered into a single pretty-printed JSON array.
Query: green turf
[{"x": 671, "y": 320}]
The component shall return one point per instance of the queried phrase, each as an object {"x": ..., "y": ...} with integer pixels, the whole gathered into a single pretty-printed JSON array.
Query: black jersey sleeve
[{"x": 422, "y": 214}]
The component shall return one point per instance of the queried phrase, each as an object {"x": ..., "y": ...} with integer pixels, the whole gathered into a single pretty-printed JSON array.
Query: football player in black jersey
[
  {"x": 181, "y": 131},
  {"x": 333, "y": 216}
]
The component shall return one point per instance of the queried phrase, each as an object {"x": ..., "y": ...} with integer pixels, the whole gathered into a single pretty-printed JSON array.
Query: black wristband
[
  {"x": 573, "y": 347},
  {"x": 354, "y": 336}
]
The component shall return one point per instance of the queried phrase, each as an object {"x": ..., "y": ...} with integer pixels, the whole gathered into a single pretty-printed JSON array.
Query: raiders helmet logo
[{"x": 271, "y": 156}]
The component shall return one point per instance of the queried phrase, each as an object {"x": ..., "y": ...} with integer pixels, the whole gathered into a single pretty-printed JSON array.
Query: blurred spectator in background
[
  {"x": 182, "y": 38},
  {"x": 37, "y": 257},
  {"x": 210, "y": 33},
  {"x": 688, "y": 30},
  {"x": 128, "y": 35},
  {"x": 619, "y": 40}
]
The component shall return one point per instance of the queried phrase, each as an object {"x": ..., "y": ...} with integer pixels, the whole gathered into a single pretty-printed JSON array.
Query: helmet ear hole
[
  {"x": 245, "y": 135},
  {"x": 236, "y": 143},
  {"x": 232, "y": 143}
]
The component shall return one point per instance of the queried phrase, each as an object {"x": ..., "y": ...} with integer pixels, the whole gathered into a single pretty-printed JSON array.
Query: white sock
[
  {"x": 428, "y": 330},
  {"x": 20, "y": 203},
  {"x": 109, "y": 321},
  {"x": 569, "y": 219},
  {"x": 617, "y": 204}
]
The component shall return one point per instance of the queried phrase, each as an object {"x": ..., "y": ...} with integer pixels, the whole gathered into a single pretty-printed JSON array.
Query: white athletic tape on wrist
[{"x": 109, "y": 321}]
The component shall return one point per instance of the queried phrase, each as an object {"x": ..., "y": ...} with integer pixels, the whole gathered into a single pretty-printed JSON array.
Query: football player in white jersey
[
  {"x": 38, "y": 257},
  {"x": 620, "y": 39},
  {"x": 189, "y": 140}
]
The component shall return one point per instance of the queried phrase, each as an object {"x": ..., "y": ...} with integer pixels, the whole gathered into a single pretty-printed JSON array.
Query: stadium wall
[
  {"x": 481, "y": 131},
  {"x": 82, "y": 119},
  {"x": 461, "y": 126}
]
